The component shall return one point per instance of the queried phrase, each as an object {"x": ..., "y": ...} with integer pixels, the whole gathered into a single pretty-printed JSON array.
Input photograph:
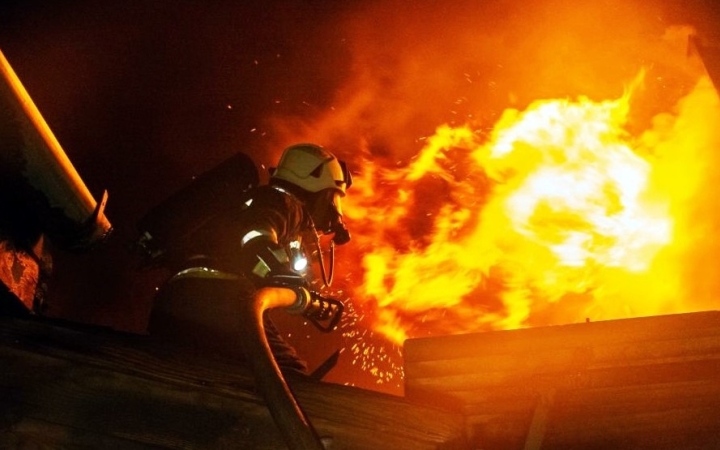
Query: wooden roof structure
[
  {"x": 642, "y": 383},
  {"x": 69, "y": 386}
]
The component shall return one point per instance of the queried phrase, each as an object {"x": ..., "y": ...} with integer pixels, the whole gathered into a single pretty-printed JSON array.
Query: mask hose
[{"x": 326, "y": 277}]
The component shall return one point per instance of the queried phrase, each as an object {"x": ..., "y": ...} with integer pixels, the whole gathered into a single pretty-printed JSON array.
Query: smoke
[{"x": 415, "y": 67}]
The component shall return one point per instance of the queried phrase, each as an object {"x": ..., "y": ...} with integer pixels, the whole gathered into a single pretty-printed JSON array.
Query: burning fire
[
  {"x": 558, "y": 214},
  {"x": 559, "y": 210}
]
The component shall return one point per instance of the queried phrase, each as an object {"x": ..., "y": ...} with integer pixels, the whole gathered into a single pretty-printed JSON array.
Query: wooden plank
[
  {"x": 634, "y": 383},
  {"x": 115, "y": 405},
  {"x": 592, "y": 334},
  {"x": 553, "y": 359},
  {"x": 623, "y": 401},
  {"x": 626, "y": 399},
  {"x": 463, "y": 386},
  {"x": 30, "y": 433},
  {"x": 120, "y": 388},
  {"x": 581, "y": 417},
  {"x": 383, "y": 419},
  {"x": 656, "y": 431},
  {"x": 569, "y": 364},
  {"x": 646, "y": 430},
  {"x": 125, "y": 353}
]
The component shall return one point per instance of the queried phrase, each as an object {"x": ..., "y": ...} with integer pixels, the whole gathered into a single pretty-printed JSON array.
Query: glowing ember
[
  {"x": 380, "y": 360},
  {"x": 557, "y": 215}
]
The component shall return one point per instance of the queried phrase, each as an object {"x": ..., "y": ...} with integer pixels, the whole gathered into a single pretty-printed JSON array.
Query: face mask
[
  {"x": 327, "y": 215},
  {"x": 341, "y": 235}
]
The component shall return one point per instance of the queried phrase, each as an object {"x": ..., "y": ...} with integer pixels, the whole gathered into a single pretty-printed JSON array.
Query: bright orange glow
[
  {"x": 557, "y": 168},
  {"x": 556, "y": 215}
]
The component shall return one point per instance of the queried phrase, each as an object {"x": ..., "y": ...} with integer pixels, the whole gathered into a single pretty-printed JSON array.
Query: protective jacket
[
  {"x": 261, "y": 242},
  {"x": 233, "y": 244}
]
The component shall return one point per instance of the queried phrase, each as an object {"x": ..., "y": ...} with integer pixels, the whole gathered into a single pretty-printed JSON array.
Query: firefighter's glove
[{"x": 323, "y": 312}]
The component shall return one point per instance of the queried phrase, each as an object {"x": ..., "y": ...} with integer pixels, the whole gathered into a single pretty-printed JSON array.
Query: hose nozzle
[{"x": 324, "y": 312}]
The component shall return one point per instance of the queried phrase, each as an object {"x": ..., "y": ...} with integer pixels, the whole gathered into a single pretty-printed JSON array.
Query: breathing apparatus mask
[
  {"x": 325, "y": 208},
  {"x": 341, "y": 235}
]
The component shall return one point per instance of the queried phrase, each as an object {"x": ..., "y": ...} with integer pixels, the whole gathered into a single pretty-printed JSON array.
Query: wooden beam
[
  {"x": 573, "y": 336},
  {"x": 623, "y": 383}
]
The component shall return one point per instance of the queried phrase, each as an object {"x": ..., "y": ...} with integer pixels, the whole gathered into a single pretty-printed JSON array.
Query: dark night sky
[{"x": 143, "y": 95}]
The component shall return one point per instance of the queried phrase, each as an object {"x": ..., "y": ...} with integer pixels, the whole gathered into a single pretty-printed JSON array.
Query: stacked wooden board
[{"x": 642, "y": 383}]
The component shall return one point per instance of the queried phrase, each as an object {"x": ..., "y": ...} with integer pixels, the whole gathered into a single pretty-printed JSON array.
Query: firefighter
[
  {"x": 302, "y": 200},
  {"x": 268, "y": 241}
]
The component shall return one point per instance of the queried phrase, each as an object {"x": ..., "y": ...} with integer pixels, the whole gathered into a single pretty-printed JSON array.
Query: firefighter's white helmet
[{"x": 312, "y": 168}]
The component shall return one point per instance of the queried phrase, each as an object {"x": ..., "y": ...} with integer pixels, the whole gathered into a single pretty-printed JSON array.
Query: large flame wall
[{"x": 519, "y": 167}]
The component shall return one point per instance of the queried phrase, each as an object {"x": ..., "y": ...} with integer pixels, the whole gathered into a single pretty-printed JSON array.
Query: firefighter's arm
[{"x": 266, "y": 263}]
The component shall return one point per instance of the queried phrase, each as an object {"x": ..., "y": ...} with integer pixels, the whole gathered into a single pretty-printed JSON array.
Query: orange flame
[{"x": 557, "y": 215}]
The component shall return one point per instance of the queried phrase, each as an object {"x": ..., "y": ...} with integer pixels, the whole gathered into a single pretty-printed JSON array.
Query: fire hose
[{"x": 295, "y": 427}]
